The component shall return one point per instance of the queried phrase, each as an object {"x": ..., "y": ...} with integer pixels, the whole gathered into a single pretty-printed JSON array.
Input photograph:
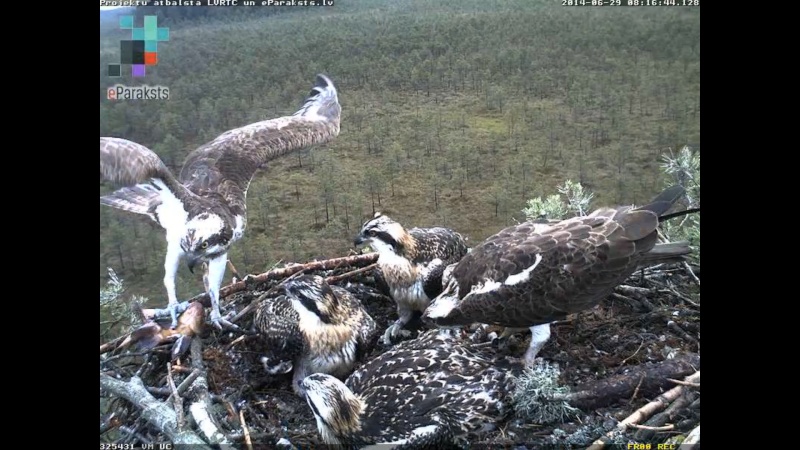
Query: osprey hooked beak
[
  {"x": 192, "y": 261},
  {"x": 358, "y": 240}
]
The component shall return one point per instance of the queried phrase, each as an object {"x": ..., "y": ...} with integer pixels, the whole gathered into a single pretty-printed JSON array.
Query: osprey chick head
[
  {"x": 336, "y": 408},
  {"x": 207, "y": 236},
  {"x": 315, "y": 295},
  {"x": 384, "y": 235}
]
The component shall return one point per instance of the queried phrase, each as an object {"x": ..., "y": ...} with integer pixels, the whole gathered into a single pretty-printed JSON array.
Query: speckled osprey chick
[
  {"x": 424, "y": 393},
  {"x": 412, "y": 262},
  {"x": 315, "y": 327}
]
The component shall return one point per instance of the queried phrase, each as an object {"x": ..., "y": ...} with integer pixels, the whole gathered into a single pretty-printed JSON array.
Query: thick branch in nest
[
  {"x": 648, "y": 410},
  {"x": 201, "y": 406},
  {"x": 157, "y": 413},
  {"x": 649, "y": 379},
  {"x": 277, "y": 274}
]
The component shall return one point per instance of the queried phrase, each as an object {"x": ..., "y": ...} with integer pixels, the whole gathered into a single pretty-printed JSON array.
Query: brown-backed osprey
[
  {"x": 203, "y": 210},
  {"x": 412, "y": 262},
  {"x": 429, "y": 392},
  {"x": 314, "y": 328},
  {"x": 529, "y": 275}
]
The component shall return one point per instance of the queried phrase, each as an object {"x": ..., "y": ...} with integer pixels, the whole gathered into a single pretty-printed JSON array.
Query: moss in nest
[{"x": 539, "y": 397}]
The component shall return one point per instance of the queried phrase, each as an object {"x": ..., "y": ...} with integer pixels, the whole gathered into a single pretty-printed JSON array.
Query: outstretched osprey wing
[
  {"x": 221, "y": 167},
  {"x": 227, "y": 164},
  {"x": 147, "y": 182}
]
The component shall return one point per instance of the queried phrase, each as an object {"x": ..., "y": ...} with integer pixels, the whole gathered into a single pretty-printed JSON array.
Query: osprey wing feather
[
  {"x": 228, "y": 163},
  {"x": 529, "y": 275},
  {"x": 147, "y": 182},
  {"x": 204, "y": 209}
]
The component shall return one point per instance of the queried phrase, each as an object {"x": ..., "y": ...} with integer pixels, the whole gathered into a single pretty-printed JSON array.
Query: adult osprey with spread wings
[{"x": 204, "y": 209}]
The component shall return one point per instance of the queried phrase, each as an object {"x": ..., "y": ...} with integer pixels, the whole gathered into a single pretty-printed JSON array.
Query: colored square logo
[
  {"x": 125, "y": 22},
  {"x": 141, "y": 49},
  {"x": 114, "y": 70}
]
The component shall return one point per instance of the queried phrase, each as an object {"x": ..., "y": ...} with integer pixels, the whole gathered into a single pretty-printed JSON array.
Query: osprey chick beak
[{"x": 358, "y": 240}]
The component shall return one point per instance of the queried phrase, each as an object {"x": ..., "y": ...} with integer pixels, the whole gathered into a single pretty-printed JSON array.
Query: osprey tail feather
[{"x": 671, "y": 252}]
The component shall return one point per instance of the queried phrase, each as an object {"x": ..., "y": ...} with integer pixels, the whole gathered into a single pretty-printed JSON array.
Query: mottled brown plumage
[
  {"x": 530, "y": 274},
  {"x": 430, "y": 392},
  {"x": 412, "y": 262},
  {"x": 203, "y": 210},
  {"x": 315, "y": 327}
]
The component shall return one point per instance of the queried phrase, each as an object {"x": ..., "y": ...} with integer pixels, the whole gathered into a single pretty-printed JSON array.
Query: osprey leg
[
  {"x": 216, "y": 271},
  {"x": 397, "y": 327},
  {"x": 539, "y": 336},
  {"x": 170, "y": 270}
]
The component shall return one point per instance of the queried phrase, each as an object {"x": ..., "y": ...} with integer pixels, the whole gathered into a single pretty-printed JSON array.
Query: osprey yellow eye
[{"x": 204, "y": 245}]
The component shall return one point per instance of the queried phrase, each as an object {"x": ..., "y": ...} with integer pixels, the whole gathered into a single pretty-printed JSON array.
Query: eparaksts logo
[{"x": 144, "y": 92}]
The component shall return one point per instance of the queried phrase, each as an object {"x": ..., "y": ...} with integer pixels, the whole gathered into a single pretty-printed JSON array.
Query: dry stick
[
  {"x": 236, "y": 341},
  {"x": 178, "y": 401},
  {"x": 636, "y": 391},
  {"x": 691, "y": 272},
  {"x": 254, "y": 304},
  {"x": 629, "y": 357},
  {"x": 684, "y": 383},
  {"x": 157, "y": 413},
  {"x": 650, "y": 378},
  {"x": 245, "y": 430},
  {"x": 181, "y": 387},
  {"x": 276, "y": 274},
  {"x": 108, "y": 346},
  {"x": 647, "y": 410},
  {"x": 200, "y": 407},
  {"x": 679, "y": 295},
  {"x": 661, "y": 419},
  {"x": 627, "y": 289},
  {"x": 344, "y": 276},
  {"x": 134, "y": 433},
  {"x": 669, "y": 427}
]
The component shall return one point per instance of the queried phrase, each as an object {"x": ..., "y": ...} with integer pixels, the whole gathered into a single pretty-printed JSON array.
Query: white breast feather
[
  {"x": 238, "y": 230},
  {"x": 171, "y": 214},
  {"x": 413, "y": 295}
]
